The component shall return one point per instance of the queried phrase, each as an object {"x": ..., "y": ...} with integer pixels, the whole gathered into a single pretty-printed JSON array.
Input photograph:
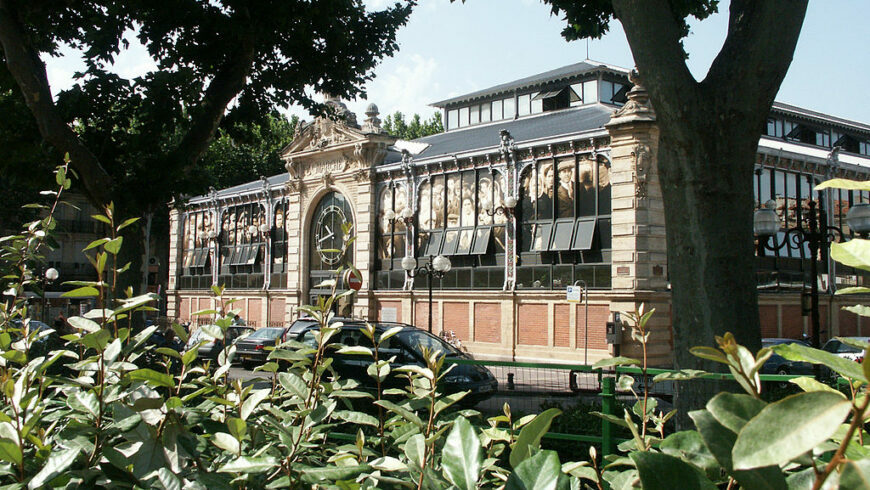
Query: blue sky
[{"x": 448, "y": 49}]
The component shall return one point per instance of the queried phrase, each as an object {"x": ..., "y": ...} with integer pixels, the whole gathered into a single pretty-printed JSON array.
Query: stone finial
[
  {"x": 638, "y": 106},
  {"x": 372, "y": 124}
]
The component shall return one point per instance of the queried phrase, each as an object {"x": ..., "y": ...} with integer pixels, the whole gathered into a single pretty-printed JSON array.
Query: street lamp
[
  {"x": 437, "y": 267},
  {"x": 48, "y": 277},
  {"x": 818, "y": 234},
  {"x": 508, "y": 209}
]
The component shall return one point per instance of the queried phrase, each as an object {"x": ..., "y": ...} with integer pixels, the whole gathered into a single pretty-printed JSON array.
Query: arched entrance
[{"x": 325, "y": 240}]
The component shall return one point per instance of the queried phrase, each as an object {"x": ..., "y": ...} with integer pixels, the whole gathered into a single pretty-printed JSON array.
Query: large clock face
[{"x": 328, "y": 235}]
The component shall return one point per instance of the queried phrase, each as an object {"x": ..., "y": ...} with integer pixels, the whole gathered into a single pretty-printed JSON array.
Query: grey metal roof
[
  {"x": 548, "y": 124},
  {"x": 534, "y": 80},
  {"x": 274, "y": 181},
  {"x": 796, "y": 111}
]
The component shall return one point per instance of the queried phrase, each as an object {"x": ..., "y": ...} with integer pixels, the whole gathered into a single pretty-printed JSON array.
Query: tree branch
[
  {"x": 654, "y": 35},
  {"x": 224, "y": 87},
  {"x": 29, "y": 73},
  {"x": 758, "y": 51}
]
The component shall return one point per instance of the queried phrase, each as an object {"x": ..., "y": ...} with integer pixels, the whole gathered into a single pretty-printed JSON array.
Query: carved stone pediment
[{"x": 320, "y": 134}]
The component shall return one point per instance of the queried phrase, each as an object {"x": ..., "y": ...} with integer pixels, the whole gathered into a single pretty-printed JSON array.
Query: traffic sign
[
  {"x": 353, "y": 279},
  {"x": 574, "y": 294}
]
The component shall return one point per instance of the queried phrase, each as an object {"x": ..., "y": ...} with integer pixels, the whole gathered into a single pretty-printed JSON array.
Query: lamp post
[
  {"x": 48, "y": 277},
  {"x": 510, "y": 203},
  {"x": 817, "y": 236},
  {"x": 437, "y": 267}
]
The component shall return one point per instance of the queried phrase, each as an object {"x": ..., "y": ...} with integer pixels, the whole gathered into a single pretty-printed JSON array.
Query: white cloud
[{"x": 408, "y": 87}]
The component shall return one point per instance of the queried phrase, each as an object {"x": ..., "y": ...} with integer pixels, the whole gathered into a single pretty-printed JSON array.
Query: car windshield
[
  {"x": 234, "y": 333},
  {"x": 266, "y": 333},
  {"x": 417, "y": 339}
]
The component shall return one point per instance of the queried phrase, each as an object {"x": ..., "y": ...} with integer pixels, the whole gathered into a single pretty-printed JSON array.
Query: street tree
[
  {"x": 395, "y": 125},
  {"x": 137, "y": 141}
]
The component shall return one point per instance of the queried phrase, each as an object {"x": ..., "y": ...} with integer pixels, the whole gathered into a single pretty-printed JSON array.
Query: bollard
[
  {"x": 510, "y": 381},
  {"x": 608, "y": 397}
]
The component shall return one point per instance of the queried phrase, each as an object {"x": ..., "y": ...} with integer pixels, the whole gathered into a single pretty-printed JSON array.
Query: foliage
[{"x": 395, "y": 125}]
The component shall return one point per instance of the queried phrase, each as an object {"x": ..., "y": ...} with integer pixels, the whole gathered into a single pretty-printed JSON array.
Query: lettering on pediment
[{"x": 324, "y": 167}]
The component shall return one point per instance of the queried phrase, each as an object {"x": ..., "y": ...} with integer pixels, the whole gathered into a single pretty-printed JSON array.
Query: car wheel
[{"x": 783, "y": 371}]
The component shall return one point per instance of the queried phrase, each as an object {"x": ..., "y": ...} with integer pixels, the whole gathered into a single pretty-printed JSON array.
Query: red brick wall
[
  {"x": 184, "y": 309},
  {"x": 792, "y": 321},
  {"x": 456, "y": 319},
  {"x": 487, "y": 322},
  {"x": 848, "y": 323},
  {"x": 598, "y": 316},
  {"x": 421, "y": 316},
  {"x": 562, "y": 332},
  {"x": 276, "y": 311},
  {"x": 769, "y": 321},
  {"x": 390, "y": 304},
  {"x": 532, "y": 325},
  {"x": 255, "y": 312}
]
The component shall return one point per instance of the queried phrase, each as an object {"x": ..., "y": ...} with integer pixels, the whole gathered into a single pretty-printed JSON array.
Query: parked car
[
  {"x": 777, "y": 364},
  {"x": 252, "y": 349},
  {"x": 212, "y": 347},
  {"x": 407, "y": 347},
  {"x": 837, "y": 347}
]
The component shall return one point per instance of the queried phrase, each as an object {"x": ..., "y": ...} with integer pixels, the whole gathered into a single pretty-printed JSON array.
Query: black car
[
  {"x": 252, "y": 349},
  {"x": 407, "y": 347},
  {"x": 212, "y": 347},
  {"x": 780, "y": 365}
]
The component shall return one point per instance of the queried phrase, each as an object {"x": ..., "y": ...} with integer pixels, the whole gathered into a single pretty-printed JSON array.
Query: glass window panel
[
  {"x": 545, "y": 190},
  {"x": 523, "y": 108},
  {"x": 481, "y": 240},
  {"x": 578, "y": 90},
  {"x": 465, "y": 238},
  {"x": 590, "y": 91},
  {"x": 604, "y": 203},
  {"x": 498, "y": 234},
  {"x": 583, "y": 234},
  {"x": 528, "y": 237},
  {"x": 586, "y": 187},
  {"x": 467, "y": 210},
  {"x": 399, "y": 245},
  {"x": 454, "y": 200},
  {"x": 562, "y": 276},
  {"x": 463, "y": 117},
  {"x": 438, "y": 193},
  {"x": 425, "y": 206},
  {"x": 434, "y": 245},
  {"x": 765, "y": 185},
  {"x": 484, "y": 197},
  {"x": 566, "y": 192},
  {"x": 496, "y": 110},
  {"x": 605, "y": 234},
  {"x": 562, "y": 235},
  {"x": 509, "y": 108},
  {"x": 537, "y": 105},
  {"x": 451, "y": 241},
  {"x": 541, "y": 241},
  {"x": 606, "y": 91},
  {"x": 528, "y": 189},
  {"x": 453, "y": 119},
  {"x": 485, "y": 112},
  {"x": 779, "y": 196},
  {"x": 474, "y": 114},
  {"x": 400, "y": 202}
]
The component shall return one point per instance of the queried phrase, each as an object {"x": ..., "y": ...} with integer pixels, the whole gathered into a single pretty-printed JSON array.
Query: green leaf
[
  {"x": 789, "y": 428},
  {"x": 57, "y": 463},
  {"x": 213, "y": 331},
  {"x": 734, "y": 410},
  {"x": 237, "y": 427},
  {"x": 83, "y": 292},
  {"x": 662, "y": 471},
  {"x": 114, "y": 246},
  {"x": 318, "y": 474},
  {"x": 249, "y": 465},
  {"x": 681, "y": 375},
  {"x": 9, "y": 451},
  {"x": 166, "y": 351},
  {"x": 152, "y": 377},
  {"x": 294, "y": 384},
  {"x": 462, "y": 455},
  {"x": 530, "y": 436},
  {"x": 809, "y": 384},
  {"x": 689, "y": 446},
  {"x": 190, "y": 355},
  {"x": 84, "y": 401},
  {"x": 357, "y": 418},
  {"x": 168, "y": 479},
  {"x": 83, "y": 324},
  {"x": 709, "y": 353},
  {"x": 854, "y": 253},
  {"x": 404, "y": 412},
  {"x": 101, "y": 218},
  {"x": 389, "y": 333},
  {"x": 226, "y": 442},
  {"x": 252, "y": 401},
  {"x": 798, "y": 352},
  {"x": 616, "y": 361},
  {"x": 356, "y": 350},
  {"x": 96, "y": 243},
  {"x": 853, "y": 290},
  {"x": 855, "y": 475},
  {"x": 855, "y": 185},
  {"x": 539, "y": 472},
  {"x": 127, "y": 223},
  {"x": 415, "y": 448}
]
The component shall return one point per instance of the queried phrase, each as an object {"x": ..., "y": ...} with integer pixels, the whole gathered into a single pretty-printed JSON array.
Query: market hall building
[{"x": 535, "y": 185}]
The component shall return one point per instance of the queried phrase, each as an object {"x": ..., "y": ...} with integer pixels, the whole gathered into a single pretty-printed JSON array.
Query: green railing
[{"x": 543, "y": 380}]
